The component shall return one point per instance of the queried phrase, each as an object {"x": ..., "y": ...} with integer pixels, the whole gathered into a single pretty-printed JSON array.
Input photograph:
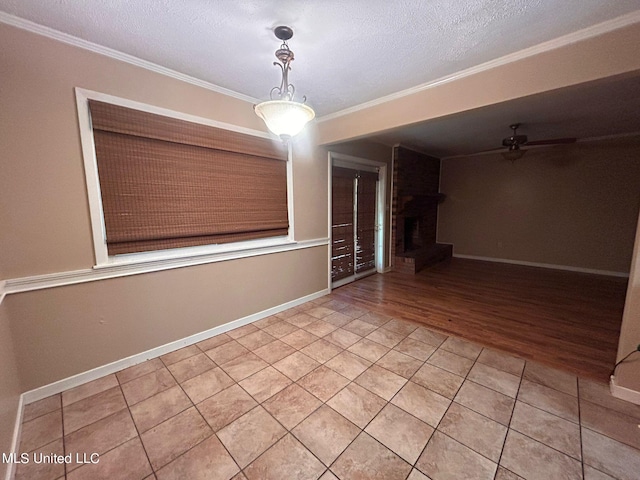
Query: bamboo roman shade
[{"x": 169, "y": 183}]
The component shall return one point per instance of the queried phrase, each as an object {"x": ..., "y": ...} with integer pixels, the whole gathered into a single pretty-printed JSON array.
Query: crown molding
[
  {"x": 48, "y": 32},
  {"x": 574, "y": 37}
]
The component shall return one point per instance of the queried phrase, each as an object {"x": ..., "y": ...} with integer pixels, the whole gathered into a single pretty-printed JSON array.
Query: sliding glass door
[{"x": 353, "y": 223}]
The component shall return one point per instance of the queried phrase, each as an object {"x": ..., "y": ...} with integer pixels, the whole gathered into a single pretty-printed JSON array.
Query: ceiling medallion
[{"x": 282, "y": 115}]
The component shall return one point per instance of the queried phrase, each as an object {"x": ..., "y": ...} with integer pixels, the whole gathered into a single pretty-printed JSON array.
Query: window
[{"x": 168, "y": 183}]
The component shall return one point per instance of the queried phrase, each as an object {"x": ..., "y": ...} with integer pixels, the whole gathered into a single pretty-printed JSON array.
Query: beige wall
[
  {"x": 45, "y": 225},
  {"x": 10, "y": 388},
  {"x": 628, "y": 373},
  {"x": 574, "y": 206}
]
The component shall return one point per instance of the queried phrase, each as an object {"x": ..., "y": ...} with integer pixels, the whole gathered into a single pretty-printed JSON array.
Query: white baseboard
[
  {"x": 545, "y": 265},
  {"x": 15, "y": 440},
  {"x": 623, "y": 393},
  {"x": 88, "y": 376}
]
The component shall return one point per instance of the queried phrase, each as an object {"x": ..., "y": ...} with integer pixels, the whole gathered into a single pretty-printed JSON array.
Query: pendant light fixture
[{"x": 282, "y": 115}]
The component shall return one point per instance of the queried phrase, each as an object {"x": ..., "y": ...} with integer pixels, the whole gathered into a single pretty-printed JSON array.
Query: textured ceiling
[{"x": 347, "y": 52}]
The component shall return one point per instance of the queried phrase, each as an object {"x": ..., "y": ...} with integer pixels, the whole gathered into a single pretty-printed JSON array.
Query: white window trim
[{"x": 225, "y": 251}]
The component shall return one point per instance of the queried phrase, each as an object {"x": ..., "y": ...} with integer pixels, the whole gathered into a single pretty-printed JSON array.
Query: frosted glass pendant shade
[{"x": 284, "y": 117}]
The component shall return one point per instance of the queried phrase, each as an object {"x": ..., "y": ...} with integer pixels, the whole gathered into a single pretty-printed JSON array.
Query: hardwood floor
[{"x": 564, "y": 319}]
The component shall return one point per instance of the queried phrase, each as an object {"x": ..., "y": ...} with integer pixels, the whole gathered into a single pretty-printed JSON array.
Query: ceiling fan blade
[{"x": 552, "y": 141}]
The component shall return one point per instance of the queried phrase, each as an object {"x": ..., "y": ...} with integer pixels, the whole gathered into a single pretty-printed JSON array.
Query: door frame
[{"x": 349, "y": 161}]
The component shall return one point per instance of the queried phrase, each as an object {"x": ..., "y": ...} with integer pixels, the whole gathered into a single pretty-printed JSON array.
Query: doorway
[{"x": 356, "y": 218}]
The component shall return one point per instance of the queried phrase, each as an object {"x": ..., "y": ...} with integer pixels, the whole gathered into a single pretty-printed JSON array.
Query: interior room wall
[
  {"x": 45, "y": 224},
  {"x": 574, "y": 206},
  {"x": 10, "y": 388}
]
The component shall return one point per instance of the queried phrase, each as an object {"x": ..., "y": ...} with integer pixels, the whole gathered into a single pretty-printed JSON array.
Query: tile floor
[{"x": 332, "y": 391}]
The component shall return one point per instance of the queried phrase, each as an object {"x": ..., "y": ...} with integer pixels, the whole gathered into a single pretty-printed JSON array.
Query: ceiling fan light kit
[
  {"x": 515, "y": 141},
  {"x": 282, "y": 115}
]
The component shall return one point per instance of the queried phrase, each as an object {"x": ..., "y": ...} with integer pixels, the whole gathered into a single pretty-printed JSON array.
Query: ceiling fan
[{"x": 515, "y": 141}]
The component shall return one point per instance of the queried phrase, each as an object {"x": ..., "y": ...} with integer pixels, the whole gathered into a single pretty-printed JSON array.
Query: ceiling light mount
[{"x": 282, "y": 115}]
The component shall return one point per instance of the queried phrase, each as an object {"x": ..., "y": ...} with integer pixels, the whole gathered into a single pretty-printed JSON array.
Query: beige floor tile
[
  {"x": 353, "y": 311},
  {"x": 255, "y": 340},
  {"x": 225, "y": 352},
  {"x": 476, "y": 431},
  {"x": 92, "y": 409},
  {"x": 504, "y": 474},
  {"x": 88, "y": 389},
  {"x": 415, "y": 348},
  {"x": 348, "y": 364},
  {"x": 357, "y": 404},
  {"x": 618, "y": 426},
  {"x": 265, "y": 384},
  {"x": 239, "y": 476},
  {"x": 424, "y": 404},
  {"x": 600, "y": 394},
  {"x": 533, "y": 460},
  {"x": 550, "y": 377},
  {"x": 296, "y": 365},
  {"x": 402, "y": 433},
  {"x": 240, "y": 332},
  {"x": 368, "y": 349},
  {"x": 444, "y": 458},
  {"x": 381, "y": 381},
  {"x": 250, "y": 435},
  {"x": 274, "y": 351},
  {"x": 429, "y": 337},
  {"x": 385, "y": 337},
  {"x": 450, "y": 362},
  {"x": 440, "y": 381},
  {"x": 287, "y": 459},
  {"x": 502, "y": 361},
  {"x": 320, "y": 312},
  {"x": 288, "y": 313},
  {"x": 338, "y": 319},
  {"x": 609, "y": 456},
  {"x": 41, "y": 431},
  {"x": 342, "y": 338},
  {"x": 323, "y": 382},
  {"x": 402, "y": 327},
  {"x": 101, "y": 436},
  {"x": 147, "y": 385},
  {"x": 495, "y": 379},
  {"x": 328, "y": 475},
  {"x": 207, "y": 384},
  {"x": 399, "y": 363},
  {"x": 291, "y": 405},
  {"x": 321, "y": 350},
  {"x": 206, "y": 461},
  {"x": 190, "y": 367},
  {"x": 336, "y": 305},
  {"x": 128, "y": 460},
  {"x": 243, "y": 366},
  {"x": 279, "y": 330},
  {"x": 546, "y": 428},
  {"x": 299, "y": 339},
  {"x": 377, "y": 319},
  {"x": 326, "y": 433},
  {"x": 360, "y": 327},
  {"x": 486, "y": 401},
  {"x": 320, "y": 328},
  {"x": 300, "y": 319},
  {"x": 417, "y": 475},
  {"x": 181, "y": 354},
  {"x": 226, "y": 406},
  {"x": 213, "y": 342},
  {"x": 267, "y": 322},
  {"x": 41, "y": 407},
  {"x": 160, "y": 407},
  {"x": 41, "y": 471},
  {"x": 591, "y": 473},
  {"x": 172, "y": 438},
  {"x": 366, "y": 458},
  {"x": 462, "y": 347},
  {"x": 549, "y": 400}
]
